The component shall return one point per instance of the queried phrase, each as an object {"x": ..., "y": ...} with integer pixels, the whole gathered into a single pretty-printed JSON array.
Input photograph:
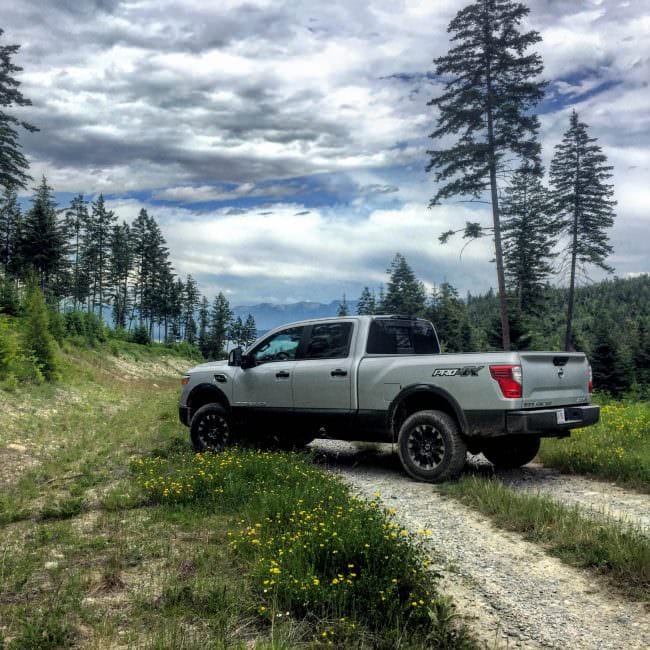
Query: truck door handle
[
  {"x": 283, "y": 374},
  {"x": 339, "y": 373}
]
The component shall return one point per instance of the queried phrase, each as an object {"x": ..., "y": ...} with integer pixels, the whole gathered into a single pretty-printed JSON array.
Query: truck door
[
  {"x": 322, "y": 383},
  {"x": 268, "y": 385}
]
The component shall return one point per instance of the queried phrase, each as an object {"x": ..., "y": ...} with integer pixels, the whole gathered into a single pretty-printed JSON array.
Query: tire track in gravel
[{"x": 515, "y": 593}]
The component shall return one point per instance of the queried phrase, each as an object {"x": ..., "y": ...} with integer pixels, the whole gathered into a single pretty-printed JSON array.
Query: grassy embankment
[
  {"x": 113, "y": 533},
  {"x": 616, "y": 449}
]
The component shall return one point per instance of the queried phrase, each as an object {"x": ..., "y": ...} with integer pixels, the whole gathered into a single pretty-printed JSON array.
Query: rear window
[{"x": 401, "y": 337}]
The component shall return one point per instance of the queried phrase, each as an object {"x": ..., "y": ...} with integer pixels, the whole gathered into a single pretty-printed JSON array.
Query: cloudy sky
[{"x": 282, "y": 144}]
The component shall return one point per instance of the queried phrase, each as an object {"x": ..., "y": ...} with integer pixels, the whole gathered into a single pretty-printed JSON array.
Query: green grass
[
  {"x": 616, "y": 449},
  {"x": 616, "y": 551},
  {"x": 311, "y": 549},
  {"x": 91, "y": 556}
]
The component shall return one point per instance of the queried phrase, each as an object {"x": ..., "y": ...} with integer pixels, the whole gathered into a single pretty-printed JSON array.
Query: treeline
[
  {"x": 84, "y": 260},
  {"x": 611, "y": 321}
]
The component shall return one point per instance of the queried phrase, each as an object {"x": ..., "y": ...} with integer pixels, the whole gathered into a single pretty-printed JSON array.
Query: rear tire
[
  {"x": 430, "y": 447},
  {"x": 211, "y": 429},
  {"x": 510, "y": 452}
]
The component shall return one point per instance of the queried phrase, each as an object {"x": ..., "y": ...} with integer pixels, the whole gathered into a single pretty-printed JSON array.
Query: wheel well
[
  {"x": 203, "y": 395},
  {"x": 422, "y": 400}
]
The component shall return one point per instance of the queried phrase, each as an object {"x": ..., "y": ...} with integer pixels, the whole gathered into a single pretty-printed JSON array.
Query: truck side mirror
[
  {"x": 235, "y": 357},
  {"x": 247, "y": 361}
]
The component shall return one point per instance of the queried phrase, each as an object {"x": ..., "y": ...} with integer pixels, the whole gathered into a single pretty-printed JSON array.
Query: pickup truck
[{"x": 383, "y": 379}]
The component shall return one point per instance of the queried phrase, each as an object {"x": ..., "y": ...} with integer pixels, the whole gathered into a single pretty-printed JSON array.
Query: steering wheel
[{"x": 281, "y": 356}]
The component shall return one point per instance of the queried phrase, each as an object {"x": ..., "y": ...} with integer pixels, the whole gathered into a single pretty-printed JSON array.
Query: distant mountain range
[{"x": 268, "y": 315}]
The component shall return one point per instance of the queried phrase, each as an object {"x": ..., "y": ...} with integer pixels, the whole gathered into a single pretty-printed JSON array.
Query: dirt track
[{"x": 518, "y": 595}]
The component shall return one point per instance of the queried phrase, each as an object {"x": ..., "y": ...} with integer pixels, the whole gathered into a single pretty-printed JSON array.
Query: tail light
[
  {"x": 509, "y": 380},
  {"x": 591, "y": 380}
]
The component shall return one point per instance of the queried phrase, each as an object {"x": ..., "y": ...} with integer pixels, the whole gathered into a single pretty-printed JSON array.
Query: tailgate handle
[{"x": 560, "y": 361}]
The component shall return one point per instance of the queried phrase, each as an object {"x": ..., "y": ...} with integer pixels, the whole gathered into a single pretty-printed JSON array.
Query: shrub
[
  {"x": 141, "y": 335},
  {"x": 37, "y": 335}
]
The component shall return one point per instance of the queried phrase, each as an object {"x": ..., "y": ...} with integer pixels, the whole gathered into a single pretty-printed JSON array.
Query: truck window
[
  {"x": 328, "y": 341},
  {"x": 392, "y": 336},
  {"x": 282, "y": 346}
]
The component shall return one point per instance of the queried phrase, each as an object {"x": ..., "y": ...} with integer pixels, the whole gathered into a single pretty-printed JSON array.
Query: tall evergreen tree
[
  {"x": 366, "y": 304},
  {"x": 611, "y": 366},
  {"x": 102, "y": 222},
  {"x": 582, "y": 201},
  {"x": 121, "y": 260},
  {"x": 449, "y": 314},
  {"x": 220, "y": 318},
  {"x": 250, "y": 330},
  {"x": 204, "y": 315},
  {"x": 236, "y": 332},
  {"x": 529, "y": 235},
  {"x": 491, "y": 87},
  {"x": 13, "y": 164},
  {"x": 42, "y": 245},
  {"x": 10, "y": 218},
  {"x": 405, "y": 294},
  {"x": 191, "y": 300},
  {"x": 77, "y": 222},
  {"x": 37, "y": 335}
]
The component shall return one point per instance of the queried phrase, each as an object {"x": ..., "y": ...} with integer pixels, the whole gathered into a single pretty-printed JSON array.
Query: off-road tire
[
  {"x": 211, "y": 429},
  {"x": 510, "y": 452},
  {"x": 430, "y": 447}
]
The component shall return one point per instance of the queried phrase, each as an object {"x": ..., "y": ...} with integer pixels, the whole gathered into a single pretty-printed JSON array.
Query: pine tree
[
  {"x": 121, "y": 260},
  {"x": 191, "y": 300},
  {"x": 43, "y": 246},
  {"x": 10, "y": 221},
  {"x": 642, "y": 355},
  {"x": 204, "y": 314},
  {"x": 250, "y": 330},
  {"x": 13, "y": 164},
  {"x": 611, "y": 366},
  {"x": 76, "y": 224},
  {"x": 366, "y": 304},
  {"x": 220, "y": 318},
  {"x": 343, "y": 307},
  {"x": 405, "y": 294},
  {"x": 102, "y": 225},
  {"x": 236, "y": 331},
  {"x": 582, "y": 201},
  {"x": 449, "y": 315},
  {"x": 529, "y": 235},
  {"x": 491, "y": 87},
  {"x": 37, "y": 335}
]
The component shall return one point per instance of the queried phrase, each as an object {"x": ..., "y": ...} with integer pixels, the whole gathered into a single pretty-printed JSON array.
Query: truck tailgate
[{"x": 554, "y": 379}]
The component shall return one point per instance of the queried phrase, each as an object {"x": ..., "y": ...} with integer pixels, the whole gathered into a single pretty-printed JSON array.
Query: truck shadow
[{"x": 337, "y": 454}]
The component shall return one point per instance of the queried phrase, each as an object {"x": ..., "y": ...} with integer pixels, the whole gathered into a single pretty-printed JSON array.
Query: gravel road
[{"x": 518, "y": 596}]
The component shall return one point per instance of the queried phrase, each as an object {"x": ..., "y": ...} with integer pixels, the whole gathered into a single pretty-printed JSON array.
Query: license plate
[{"x": 560, "y": 416}]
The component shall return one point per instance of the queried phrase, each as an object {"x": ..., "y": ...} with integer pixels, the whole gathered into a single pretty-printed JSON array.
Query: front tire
[
  {"x": 430, "y": 447},
  {"x": 510, "y": 452},
  {"x": 211, "y": 429}
]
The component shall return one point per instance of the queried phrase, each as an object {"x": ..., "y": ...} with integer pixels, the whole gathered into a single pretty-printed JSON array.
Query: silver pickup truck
[{"x": 383, "y": 379}]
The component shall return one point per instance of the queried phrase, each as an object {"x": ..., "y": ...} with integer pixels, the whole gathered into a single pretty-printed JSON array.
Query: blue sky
[{"x": 282, "y": 145}]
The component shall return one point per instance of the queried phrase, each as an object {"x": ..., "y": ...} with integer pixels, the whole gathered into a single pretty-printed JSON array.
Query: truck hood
[{"x": 211, "y": 365}]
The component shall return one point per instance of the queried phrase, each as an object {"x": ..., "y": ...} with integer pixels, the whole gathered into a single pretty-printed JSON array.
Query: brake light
[
  {"x": 591, "y": 380},
  {"x": 509, "y": 380}
]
